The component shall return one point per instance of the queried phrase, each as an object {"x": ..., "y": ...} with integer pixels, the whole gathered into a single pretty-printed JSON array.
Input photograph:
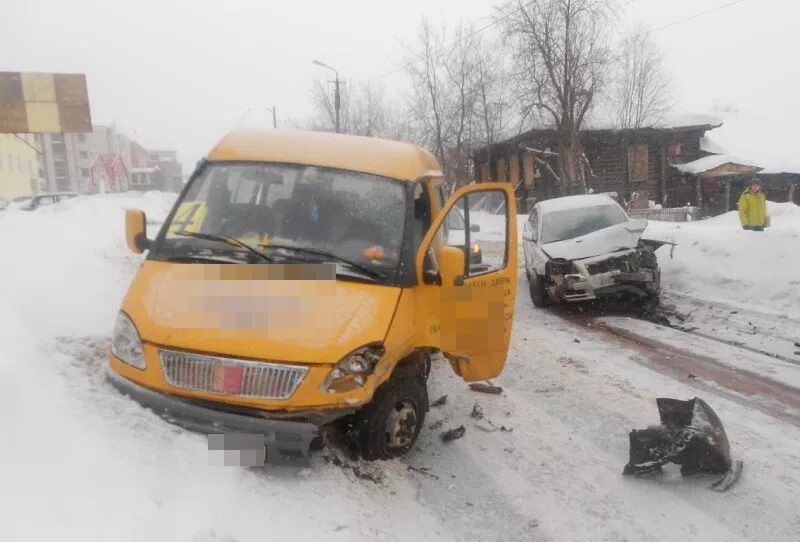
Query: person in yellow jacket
[{"x": 753, "y": 208}]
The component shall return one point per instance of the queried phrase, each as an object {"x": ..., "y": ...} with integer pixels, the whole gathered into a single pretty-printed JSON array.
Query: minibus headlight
[
  {"x": 352, "y": 371},
  {"x": 126, "y": 345}
]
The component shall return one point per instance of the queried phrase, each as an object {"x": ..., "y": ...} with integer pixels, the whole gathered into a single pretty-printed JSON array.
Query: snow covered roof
[
  {"x": 575, "y": 202},
  {"x": 707, "y": 144},
  {"x": 771, "y": 143},
  {"x": 712, "y": 162}
]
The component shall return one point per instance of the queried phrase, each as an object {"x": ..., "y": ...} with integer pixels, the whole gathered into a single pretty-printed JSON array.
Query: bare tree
[
  {"x": 491, "y": 102},
  {"x": 561, "y": 54},
  {"x": 642, "y": 93},
  {"x": 458, "y": 97},
  {"x": 430, "y": 97},
  {"x": 364, "y": 110}
]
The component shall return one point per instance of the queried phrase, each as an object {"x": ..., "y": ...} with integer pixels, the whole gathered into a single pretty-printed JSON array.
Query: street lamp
[{"x": 337, "y": 100}]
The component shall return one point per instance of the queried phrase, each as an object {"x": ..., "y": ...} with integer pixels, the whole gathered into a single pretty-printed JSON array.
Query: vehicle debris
[
  {"x": 359, "y": 471},
  {"x": 422, "y": 470},
  {"x": 477, "y": 411},
  {"x": 440, "y": 401},
  {"x": 690, "y": 435},
  {"x": 487, "y": 387},
  {"x": 454, "y": 434},
  {"x": 437, "y": 424}
]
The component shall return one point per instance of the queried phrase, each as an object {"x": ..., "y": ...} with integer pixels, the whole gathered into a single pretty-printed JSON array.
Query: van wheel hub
[{"x": 401, "y": 425}]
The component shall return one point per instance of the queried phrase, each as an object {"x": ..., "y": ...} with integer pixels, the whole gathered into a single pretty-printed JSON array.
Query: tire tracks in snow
[{"x": 767, "y": 395}]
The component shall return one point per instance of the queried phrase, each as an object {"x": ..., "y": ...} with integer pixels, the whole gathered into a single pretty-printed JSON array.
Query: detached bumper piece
[
  {"x": 690, "y": 435},
  {"x": 286, "y": 442}
]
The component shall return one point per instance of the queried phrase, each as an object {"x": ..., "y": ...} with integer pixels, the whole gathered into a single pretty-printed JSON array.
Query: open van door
[{"x": 465, "y": 309}]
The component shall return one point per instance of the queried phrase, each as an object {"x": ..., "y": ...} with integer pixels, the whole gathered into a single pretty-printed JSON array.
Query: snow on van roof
[{"x": 575, "y": 202}]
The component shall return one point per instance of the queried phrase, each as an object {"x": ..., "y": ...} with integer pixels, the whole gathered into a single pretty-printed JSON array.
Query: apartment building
[{"x": 19, "y": 166}]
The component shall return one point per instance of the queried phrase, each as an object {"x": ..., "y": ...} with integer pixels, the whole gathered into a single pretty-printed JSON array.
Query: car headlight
[
  {"x": 126, "y": 345},
  {"x": 476, "y": 248},
  {"x": 352, "y": 371}
]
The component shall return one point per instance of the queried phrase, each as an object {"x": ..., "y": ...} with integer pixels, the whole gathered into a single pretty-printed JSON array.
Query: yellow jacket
[{"x": 753, "y": 208}]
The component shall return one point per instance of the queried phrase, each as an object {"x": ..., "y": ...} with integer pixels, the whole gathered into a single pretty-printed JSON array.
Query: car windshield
[
  {"x": 571, "y": 223},
  {"x": 351, "y": 216}
]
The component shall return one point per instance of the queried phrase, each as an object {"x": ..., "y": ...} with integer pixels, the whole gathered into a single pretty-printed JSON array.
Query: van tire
[
  {"x": 389, "y": 425},
  {"x": 538, "y": 293}
]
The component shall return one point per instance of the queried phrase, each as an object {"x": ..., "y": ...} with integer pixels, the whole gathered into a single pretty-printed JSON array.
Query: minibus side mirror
[
  {"x": 136, "y": 231},
  {"x": 451, "y": 265}
]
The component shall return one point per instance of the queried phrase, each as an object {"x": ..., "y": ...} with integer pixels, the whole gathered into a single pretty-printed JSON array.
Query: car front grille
[
  {"x": 624, "y": 264},
  {"x": 233, "y": 377}
]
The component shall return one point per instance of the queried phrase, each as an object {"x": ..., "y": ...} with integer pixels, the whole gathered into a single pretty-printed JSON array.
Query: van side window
[{"x": 422, "y": 215}]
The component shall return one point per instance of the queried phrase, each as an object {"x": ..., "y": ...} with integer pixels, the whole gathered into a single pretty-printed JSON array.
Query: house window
[
  {"x": 674, "y": 150},
  {"x": 85, "y": 172},
  {"x": 637, "y": 163},
  {"x": 81, "y": 138},
  {"x": 10, "y": 163},
  {"x": 84, "y": 154}
]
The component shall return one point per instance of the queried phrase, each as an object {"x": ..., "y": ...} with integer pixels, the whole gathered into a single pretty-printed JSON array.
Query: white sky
[{"x": 179, "y": 73}]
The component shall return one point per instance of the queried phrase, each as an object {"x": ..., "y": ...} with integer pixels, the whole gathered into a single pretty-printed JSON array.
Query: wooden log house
[{"x": 624, "y": 161}]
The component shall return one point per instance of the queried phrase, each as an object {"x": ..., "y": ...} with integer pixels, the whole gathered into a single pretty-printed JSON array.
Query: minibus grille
[{"x": 226, "y": 376}]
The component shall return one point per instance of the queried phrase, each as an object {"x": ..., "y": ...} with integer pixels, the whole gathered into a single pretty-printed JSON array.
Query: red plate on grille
[{"x": 228, "y": 378}]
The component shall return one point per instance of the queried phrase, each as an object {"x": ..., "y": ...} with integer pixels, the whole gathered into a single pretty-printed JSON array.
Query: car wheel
[
  {"x": 538, "y": 293},
  {"x": 389, "y": 425}
]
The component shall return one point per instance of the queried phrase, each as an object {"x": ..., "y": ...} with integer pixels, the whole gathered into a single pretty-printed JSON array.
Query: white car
[{"x": 584, "y": 247}]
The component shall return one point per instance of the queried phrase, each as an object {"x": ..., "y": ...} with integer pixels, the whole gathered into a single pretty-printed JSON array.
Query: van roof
[{"x": 383, "y": 157}]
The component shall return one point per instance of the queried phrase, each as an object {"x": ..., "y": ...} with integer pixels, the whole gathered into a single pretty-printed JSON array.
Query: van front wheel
[{"x": 389, "y": 425}]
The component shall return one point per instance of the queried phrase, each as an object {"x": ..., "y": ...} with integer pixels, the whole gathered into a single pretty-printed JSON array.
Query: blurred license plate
[
  {"x": 227, "y": 378},
  {"x": 236, "y": 450}
]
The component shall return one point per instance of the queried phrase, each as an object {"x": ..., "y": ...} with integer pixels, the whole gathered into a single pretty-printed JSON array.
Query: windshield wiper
[
  {"x": 225, "y": 239},
  {"x": 363, "y": 268}
]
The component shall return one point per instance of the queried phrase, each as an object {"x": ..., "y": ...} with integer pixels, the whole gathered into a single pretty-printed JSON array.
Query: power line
[
  {"x": 696, "y": 15},
  {"x": 497, "y": 20}
]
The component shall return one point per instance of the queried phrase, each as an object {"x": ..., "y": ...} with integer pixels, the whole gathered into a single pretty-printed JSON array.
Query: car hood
[
  {"x": 605, "y": 241},
  {"x": 233, "y": 310}
]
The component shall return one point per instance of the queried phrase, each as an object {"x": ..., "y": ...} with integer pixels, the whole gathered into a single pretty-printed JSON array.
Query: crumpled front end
[{"x": 633, "y": 271}]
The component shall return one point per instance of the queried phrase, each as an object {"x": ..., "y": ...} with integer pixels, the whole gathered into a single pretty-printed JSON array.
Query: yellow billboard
[{"x": 44, "y": 103}]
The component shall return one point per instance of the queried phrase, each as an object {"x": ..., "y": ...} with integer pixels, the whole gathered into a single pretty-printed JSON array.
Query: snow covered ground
[
  {"x": 81, "y": 462},
  {"x": 717, "y": 260}
]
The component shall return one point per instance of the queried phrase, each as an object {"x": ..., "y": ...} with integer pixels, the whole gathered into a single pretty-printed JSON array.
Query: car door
[{"x": 466, "y": 312}]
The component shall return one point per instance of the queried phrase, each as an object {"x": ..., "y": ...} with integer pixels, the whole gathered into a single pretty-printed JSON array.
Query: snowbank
[{"x": 716, "y": 260}]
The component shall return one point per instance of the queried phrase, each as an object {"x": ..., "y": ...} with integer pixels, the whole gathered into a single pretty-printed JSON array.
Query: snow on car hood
[
  {"x": 199, "y": 307},
  {"x": 611, "y": 239}
]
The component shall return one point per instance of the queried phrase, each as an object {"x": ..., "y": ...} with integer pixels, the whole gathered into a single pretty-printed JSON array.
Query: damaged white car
[{"x": 584, "y": 247}]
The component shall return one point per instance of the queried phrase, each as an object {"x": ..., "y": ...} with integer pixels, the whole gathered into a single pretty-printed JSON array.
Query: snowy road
[{"x": 85, "y": 463}]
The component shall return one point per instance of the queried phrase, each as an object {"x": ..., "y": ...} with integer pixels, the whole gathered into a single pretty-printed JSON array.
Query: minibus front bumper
[{"x": 286, "y": 442}]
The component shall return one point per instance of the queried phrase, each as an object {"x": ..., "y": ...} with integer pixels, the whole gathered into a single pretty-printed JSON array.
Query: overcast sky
[{"x": 179, "y": 74}]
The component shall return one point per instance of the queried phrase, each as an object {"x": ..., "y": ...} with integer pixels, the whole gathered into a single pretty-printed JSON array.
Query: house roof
[
  {"x": 382, "y": 157},
  {"x": 716, "y": 161},
  {"x": 670, "y": 124},
  {"x": 769, "y": 142}
]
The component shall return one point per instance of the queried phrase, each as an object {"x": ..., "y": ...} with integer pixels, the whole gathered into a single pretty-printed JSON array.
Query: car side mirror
[
  {"x": 451, "y": 264},
  {"x": 474, "y": 227},
  {"x": 136, "y": 231}
]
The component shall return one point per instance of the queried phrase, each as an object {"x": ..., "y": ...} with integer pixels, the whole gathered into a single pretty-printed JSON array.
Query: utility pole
[
  {"x": 337, "y": 100},
  {"x": 274, "y": 118}
]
